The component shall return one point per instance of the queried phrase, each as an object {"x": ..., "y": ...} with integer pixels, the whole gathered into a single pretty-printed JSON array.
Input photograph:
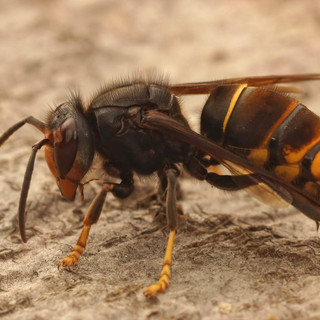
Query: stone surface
[{"x": 234, "y": 258}]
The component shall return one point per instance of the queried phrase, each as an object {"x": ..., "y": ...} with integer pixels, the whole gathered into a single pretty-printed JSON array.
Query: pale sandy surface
[{"x": 234, "y": 258}]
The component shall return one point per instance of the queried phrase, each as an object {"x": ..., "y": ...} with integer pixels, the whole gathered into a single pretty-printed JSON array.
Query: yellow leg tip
[
  {"x": 165, "y": 272},
  {"x": 153, "y": 290},
  {"x": 164, "y": 280},
  {"x": 67, "y": 262},
  {"x": 158, "y": 287},
  {"x": 72, "y": 258}
]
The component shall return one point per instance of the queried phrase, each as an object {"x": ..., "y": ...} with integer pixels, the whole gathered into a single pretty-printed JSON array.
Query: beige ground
[{"x": 234, "y": 258}]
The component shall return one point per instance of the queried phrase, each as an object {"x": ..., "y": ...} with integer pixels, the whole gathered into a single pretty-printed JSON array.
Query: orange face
[
  {"x": 61, "y": 157},
  {"x": 67, "y": 187},
  {"x": 70, "y": 150}
]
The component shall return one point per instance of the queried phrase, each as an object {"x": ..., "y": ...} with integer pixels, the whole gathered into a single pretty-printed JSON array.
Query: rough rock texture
[{"x": 234, "y": 258}]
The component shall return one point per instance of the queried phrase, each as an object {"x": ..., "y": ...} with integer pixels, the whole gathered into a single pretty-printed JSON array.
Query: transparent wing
[{"x": 266, "y": 192}]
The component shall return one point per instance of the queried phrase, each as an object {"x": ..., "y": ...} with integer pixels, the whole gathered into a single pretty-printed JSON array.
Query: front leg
[
  {"x": 122, "y": 190},
  {"x": 90, "y": 218}
]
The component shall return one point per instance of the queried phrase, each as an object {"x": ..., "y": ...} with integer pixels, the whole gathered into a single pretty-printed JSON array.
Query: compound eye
[{"x": 65, "y": 146}]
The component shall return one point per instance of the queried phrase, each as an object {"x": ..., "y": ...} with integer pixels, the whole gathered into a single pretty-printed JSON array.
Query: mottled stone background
[{"x": 234, "y": 258}]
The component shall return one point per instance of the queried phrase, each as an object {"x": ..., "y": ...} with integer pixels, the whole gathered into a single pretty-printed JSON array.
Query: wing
[
  {"x": 304, "y": 202},
  {"x": 261, "y": 191},
  {"x": 207, "y": 87}
]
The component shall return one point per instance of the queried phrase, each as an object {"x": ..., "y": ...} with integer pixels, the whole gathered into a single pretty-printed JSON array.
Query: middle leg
[{"x": 172, "y": 222}]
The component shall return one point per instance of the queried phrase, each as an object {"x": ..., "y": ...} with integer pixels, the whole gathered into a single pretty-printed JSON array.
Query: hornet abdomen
[{"x": 268, "y": 128}]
